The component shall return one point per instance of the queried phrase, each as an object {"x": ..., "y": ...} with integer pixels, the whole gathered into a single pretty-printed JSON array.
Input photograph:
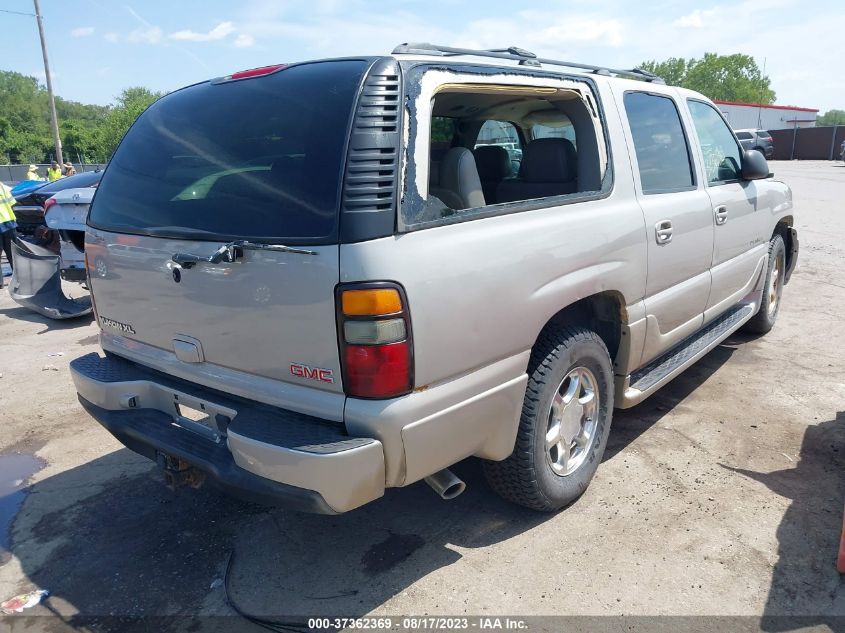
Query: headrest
[
  {"x": 493, "y": 162},
  {"x": 549, "y": 160}
]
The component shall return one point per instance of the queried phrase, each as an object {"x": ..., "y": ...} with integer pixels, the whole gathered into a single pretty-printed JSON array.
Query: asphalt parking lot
[{"x": 721, "y": 495}]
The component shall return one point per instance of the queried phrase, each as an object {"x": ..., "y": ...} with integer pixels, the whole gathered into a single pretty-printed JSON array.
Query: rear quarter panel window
[{"x": 420, "y": 208}]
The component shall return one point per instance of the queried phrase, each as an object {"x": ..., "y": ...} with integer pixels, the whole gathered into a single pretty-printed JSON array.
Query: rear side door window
[
  {"x": 663, "y": 155},
  {"x": 722, "y": 157}
]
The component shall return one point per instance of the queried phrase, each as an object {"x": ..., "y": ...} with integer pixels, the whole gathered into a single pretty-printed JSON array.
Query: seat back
[
  {"x": 494, "y": 165},
  {"x": 549, "y": 168},
  {"x": 459, "y": 185}
]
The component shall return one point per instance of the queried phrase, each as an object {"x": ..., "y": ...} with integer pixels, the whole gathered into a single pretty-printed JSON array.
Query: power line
[{"x": 32, "y": 15}]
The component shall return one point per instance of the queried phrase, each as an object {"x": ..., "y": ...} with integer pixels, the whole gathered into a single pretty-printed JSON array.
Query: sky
[{"x": 99, "y": 47}]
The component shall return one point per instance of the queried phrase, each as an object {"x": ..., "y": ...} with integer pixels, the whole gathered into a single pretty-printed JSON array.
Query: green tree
[
  {"x": 82, "y": 141},
  {"x": 25, "y": 127},
  {"x": 831, "y": 117},
  {"x": 673, "y": 70},
  {"x": 90, "y": 132},
  {"x": 128, "y": 107},
  {"x": 720, "y": 77}
]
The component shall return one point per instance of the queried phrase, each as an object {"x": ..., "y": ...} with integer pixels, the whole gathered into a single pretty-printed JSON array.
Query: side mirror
[{"x": 754, "y": 165}]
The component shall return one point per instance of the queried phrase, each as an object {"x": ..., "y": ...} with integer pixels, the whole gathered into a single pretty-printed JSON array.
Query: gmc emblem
[{"x": 311, "y": 373}]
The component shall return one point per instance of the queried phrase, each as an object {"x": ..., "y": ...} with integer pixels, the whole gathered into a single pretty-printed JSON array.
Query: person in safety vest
[
  {"x": 54, "y": 172},
  {"x": 8, "y": 222},
  {"x": 33, "y": 174}
]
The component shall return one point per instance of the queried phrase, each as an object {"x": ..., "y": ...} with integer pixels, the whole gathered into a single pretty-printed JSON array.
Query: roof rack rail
[{"x": 525, "y": 58}]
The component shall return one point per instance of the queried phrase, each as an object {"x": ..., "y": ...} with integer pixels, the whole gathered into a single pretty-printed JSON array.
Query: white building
[{"x": 767, "y": 117}]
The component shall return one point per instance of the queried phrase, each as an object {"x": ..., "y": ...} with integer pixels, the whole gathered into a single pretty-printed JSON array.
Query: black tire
[
  {"x": 527, "y": 477},
  {"x": 767, "y": 314}
]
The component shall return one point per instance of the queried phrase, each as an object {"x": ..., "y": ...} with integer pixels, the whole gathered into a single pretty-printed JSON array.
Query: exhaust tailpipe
[{"x": 446, "y": 484}]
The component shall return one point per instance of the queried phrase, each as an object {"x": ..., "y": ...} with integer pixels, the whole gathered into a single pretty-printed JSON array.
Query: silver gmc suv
[{"x": 320, "y": 280}]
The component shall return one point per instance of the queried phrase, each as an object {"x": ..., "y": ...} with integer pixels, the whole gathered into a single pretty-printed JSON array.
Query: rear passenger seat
[
  {"x": 549, "y": 168},
  {"x": 494, "y": 165}
]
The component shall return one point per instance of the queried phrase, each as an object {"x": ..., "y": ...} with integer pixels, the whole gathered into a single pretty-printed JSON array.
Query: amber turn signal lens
[{"x": 371, "y": 302}]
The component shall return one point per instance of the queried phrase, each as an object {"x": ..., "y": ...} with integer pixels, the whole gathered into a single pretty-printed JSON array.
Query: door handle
[
  {"x": 721, "y": 214},
  {"x": 663, "y": 232}
]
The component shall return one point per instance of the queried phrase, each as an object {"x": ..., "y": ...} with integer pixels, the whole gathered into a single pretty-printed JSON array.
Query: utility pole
[
  {"x": 760, "y": 98},
  {"x": 53, "y": 118}
]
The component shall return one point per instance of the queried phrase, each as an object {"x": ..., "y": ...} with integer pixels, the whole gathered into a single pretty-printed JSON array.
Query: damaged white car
[{"x": 56, "y": 254}]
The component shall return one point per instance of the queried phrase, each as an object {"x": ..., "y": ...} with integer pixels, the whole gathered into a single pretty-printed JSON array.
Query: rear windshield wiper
[{"x": 232, "y": 251}]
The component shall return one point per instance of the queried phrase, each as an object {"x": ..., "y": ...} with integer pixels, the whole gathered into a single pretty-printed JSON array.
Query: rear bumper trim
[
  {"x": 262, "y": 453},
  {"x": 149, "y": 432}
]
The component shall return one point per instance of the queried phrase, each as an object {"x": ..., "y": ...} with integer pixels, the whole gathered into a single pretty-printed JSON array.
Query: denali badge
[
  {"x": 115, "y": 325},
  {"x": 311, "y": 373}
]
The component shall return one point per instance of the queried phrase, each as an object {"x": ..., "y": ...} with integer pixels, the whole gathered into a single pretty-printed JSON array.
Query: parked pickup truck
[{"x": 305, "y": 305}]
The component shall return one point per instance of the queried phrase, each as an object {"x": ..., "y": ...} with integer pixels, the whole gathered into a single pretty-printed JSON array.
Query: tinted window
[
  {"x": 258, "y": 158},
  {"x": 763, "y": 134},
  {"x": 498, "y": 133},
  {"x": 503, "y": 134},
  {"x": 720, "y": 150},
  {"x": 661, "y": 147},
  {"x": 442, "y": 131},
  {"x": 562, "y": 130},
  {"x": 744, "y": 136}
]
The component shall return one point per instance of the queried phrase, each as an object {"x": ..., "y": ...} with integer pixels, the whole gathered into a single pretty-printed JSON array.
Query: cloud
[
  {"x": 112, "y": 37},
  {"x": 145, "y": 35},
  {"x": 82, "y": 31},
  {"x": 695, "y": 20},
  {"x": 219, "y": 32},
  {"x": 540, "y": 31},
  {"x": 244, "y": 40}
]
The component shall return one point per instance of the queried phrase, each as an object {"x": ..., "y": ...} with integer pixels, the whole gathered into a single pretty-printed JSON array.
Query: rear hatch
[{"x": 258, "y": 159}]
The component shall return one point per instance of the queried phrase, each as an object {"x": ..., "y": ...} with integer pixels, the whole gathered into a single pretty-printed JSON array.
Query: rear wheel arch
[
  {"x": 784, "y": 229},
  {"x": 603, "y": 313}
]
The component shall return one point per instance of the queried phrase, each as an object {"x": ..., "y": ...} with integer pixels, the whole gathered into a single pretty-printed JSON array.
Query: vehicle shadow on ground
[
  {"x": 805, "y": 576},
  {"x": 25, "y": 314},
  {"x": 134, "y": 548},
  {"x": 629, "y": 424}
]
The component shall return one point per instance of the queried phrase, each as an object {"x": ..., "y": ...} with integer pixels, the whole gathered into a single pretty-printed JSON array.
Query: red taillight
[
  {"x": 375, "y": 340},
  {"x": 377, "y": 371},
  {"x": 256, "y": 72},
  {"x": 49, "y": 203}
]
